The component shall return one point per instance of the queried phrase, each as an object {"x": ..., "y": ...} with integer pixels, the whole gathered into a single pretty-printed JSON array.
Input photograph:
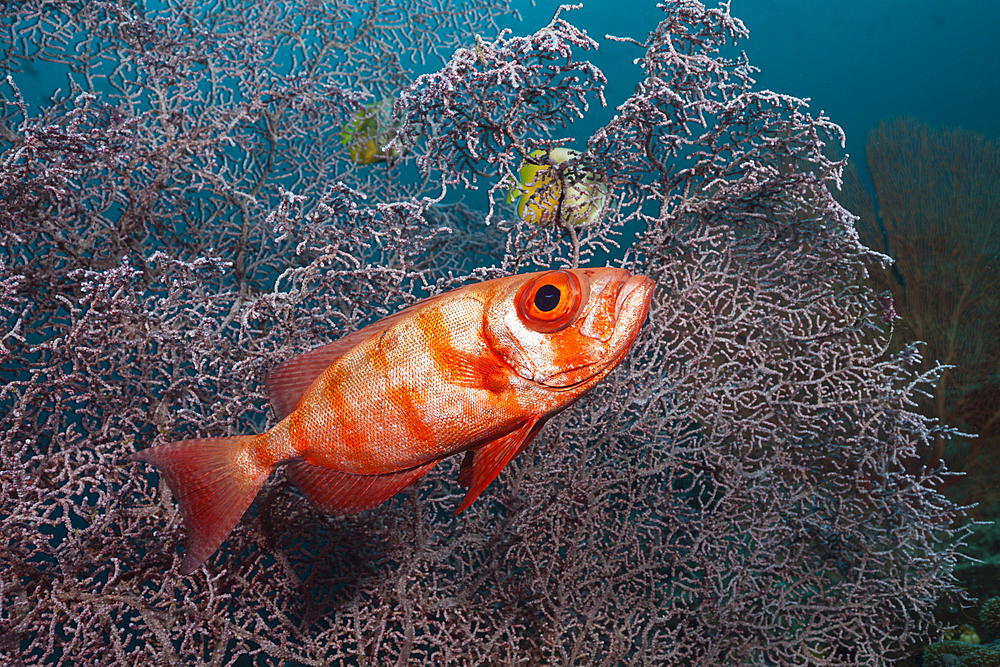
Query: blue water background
[{"x": 858, "y": 61}]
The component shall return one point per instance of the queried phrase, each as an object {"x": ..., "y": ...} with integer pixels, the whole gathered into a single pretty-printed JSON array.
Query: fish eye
[
  {"x": 547, "y": 298},
  {"x": 550, "y": 302}
]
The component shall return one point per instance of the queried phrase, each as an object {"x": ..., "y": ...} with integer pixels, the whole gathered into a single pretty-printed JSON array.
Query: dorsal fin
[
  {"x": 289, "y": 380},
  {"x": 481, "y": 465}
]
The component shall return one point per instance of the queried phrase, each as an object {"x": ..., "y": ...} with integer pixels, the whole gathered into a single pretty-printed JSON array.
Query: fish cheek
[
  {"x": 568, "y": 358},
  {"x": 508, "y": 341},
  {"x": 537, "y": 356},
  {"x": 575, "y": 350}
]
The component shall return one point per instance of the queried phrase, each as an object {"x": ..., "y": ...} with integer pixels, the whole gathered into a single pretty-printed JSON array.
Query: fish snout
[
  {"x": 616, "y": 294},
  {"x": 634, "y": 297}
]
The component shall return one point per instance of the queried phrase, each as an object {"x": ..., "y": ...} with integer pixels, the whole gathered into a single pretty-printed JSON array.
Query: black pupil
[{"x": 547, "y": 298}]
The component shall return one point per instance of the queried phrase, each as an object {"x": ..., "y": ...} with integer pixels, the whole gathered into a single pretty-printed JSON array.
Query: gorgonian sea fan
[{"x": 186, "y": 216}]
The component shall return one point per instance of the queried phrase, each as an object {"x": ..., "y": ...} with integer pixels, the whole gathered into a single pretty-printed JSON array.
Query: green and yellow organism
[
  {"x": 546, "y": 195},
  {"x": 368, "y": 131},
  {"x": 963, "y": 646}
]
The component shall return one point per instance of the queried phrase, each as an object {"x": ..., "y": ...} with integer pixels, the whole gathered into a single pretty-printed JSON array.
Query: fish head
[{"x": 562, "y": 329}]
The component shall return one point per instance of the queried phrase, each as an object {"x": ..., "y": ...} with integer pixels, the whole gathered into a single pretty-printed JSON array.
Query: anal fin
[{"x": 335, "y": 492}]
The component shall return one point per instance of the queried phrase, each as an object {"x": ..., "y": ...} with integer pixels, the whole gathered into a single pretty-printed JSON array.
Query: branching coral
[
  {"x": 736, "y": 492},
  {"x": 937, "y": 214}
]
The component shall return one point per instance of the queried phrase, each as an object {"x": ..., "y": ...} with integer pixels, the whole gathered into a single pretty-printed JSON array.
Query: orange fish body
[{"x": 478, "y": 370}]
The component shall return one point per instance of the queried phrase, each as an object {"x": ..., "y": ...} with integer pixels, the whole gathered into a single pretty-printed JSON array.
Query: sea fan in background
[
  {"x": 188, "y": 215},
  {"x": 936, "y": 212}
]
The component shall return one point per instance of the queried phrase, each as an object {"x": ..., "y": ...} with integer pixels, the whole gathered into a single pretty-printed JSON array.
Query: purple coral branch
[{"x": 737, "y": 491}]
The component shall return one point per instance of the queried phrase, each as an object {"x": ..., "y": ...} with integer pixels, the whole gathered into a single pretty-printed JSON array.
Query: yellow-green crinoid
[
  {"x": 368, "y": 132},
  {"x": 546, "y": 194}
]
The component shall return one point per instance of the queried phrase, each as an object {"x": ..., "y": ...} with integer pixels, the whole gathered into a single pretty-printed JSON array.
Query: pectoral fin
[{"x": 481, "y": 465}]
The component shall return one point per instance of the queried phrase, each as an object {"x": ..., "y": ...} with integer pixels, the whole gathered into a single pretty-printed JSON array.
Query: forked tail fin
[{"x": 214, "y": 481}]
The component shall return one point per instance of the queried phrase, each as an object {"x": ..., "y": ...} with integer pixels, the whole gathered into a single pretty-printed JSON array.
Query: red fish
[{"x": 477, "y": 370}]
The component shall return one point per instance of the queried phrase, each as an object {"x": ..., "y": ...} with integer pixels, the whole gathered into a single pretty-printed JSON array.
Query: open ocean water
[{"x": 858, "y": 61}]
